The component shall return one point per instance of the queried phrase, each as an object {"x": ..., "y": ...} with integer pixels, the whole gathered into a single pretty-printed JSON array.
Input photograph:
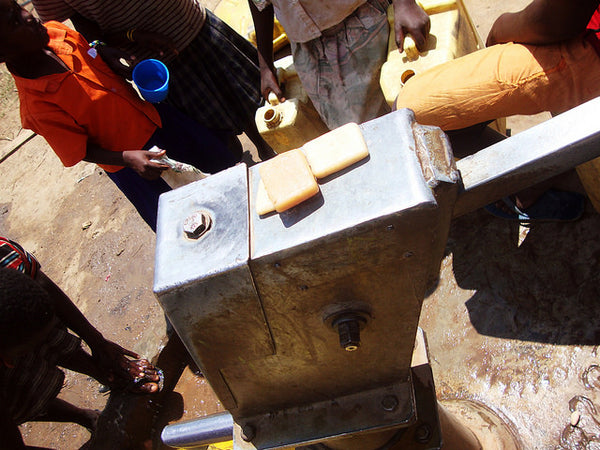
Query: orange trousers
[{"x": 504, "y": 80}]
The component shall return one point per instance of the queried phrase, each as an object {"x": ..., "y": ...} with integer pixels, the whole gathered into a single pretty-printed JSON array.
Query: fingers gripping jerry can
[
  {"x": 451, "y": 35},
  {"x": 289, "y": 124}
]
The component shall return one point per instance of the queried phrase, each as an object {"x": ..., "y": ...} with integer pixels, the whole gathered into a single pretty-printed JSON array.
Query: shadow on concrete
[
  {"x": 134, "y": 421},
  {"x": 538, "y": 284},
  {"x": 544, "y": 290}
]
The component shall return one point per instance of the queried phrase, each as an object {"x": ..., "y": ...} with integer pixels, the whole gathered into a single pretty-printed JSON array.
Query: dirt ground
[{"x": 91, "y": 241}]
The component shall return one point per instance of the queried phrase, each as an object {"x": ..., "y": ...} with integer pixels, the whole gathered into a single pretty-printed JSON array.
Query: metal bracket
[{"x": 357, "y": 413}]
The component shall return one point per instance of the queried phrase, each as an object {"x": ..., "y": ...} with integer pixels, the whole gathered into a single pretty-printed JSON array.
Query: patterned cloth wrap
[
  {"x": 13, "y": 256},
  {"x": 28, "y": 388},
  {"x": 340, "y": 70}
]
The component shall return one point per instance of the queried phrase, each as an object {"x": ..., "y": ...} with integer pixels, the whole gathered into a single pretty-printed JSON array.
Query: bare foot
[
  {"x": 142, "y": 377},
  {"x": 62, "y": 411},
  {"x": 90, "y": 419}
]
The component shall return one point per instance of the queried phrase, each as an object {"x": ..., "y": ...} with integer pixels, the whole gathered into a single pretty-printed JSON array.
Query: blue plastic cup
[{"x": 152, "y": 79}]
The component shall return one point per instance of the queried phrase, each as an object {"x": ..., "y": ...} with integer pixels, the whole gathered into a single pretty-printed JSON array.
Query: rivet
[
  {"x": 423, "y": 434},
  {"x": 389, "y": 403}
]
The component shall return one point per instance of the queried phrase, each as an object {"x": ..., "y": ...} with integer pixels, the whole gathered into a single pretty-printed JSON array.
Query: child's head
[
  {"x": 26, "y": 314},
  {"x": 20, "y": 32}
]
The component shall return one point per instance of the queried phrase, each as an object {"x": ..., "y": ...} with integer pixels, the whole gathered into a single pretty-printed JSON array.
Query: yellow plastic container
[
  {"x": 288, "y": 125},
  {"x": 227, "y": 446},
  {"x": 589, "y": 175},
  {"x": 452, "y": 35},
  {"x": 236, "y": 14},
  {"x": 294, "y": 122}
]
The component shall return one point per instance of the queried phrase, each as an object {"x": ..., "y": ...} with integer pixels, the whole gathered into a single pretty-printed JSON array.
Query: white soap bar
[
  {"x": 335, "y": 150},
  {"x": 264, "y": 205},
  {"x": 288, "y": 179}
]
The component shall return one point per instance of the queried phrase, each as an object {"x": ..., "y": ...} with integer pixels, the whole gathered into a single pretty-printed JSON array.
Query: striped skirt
[
  {"x": 215, "y": 80},
  {"x": 28, "y": 388}
]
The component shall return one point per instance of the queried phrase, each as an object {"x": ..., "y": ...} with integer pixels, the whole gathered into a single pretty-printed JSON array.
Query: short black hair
[{"x": 25, "y": 307}]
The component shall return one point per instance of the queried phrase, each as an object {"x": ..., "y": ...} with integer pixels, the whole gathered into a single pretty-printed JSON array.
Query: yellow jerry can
[
  {"x": 452, "y": 35},
  {"x": 292, "y": 123},
  {"x": 236, "y": 14}
]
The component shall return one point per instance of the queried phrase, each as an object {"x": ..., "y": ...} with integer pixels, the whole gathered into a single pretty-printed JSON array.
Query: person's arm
[
  {"x": 543, "y": 22},
  {"x": 72, "y": 144},
  {"x": 263, "y": 26},
  {"x": 112, "y": 53},
  {"x": 109, "y": 355},
  {"x": 112, "y": 56},
  {"x": 138, "y": 160},
  {"x": 89, "y": 29},
  {"x": 409, "y": 18},
  {"x": 68, "y": 313}
]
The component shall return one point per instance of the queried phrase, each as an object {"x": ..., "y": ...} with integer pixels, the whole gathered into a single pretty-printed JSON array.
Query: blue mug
[{"x": 152, "y": 79}]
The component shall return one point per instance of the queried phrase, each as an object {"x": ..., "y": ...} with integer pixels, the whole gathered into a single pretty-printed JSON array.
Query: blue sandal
[{"x": 552, "y": 206}]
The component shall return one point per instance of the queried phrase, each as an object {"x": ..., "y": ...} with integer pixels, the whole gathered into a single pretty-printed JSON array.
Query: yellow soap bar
[
  {"x": 264, "y": 205},
  {"x": 288, "y": 179},
  {"x": 335, "y": 150}
]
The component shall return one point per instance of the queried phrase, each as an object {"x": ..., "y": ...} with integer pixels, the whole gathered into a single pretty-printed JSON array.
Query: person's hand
[
  {"x": 268, "y": 84},
  {"x": 141, "y": 162},
  {"x": 111, "y": 358},
  {"x": 160, "y": 43},
  {"x": 409, "y": 18},
  {"x": 120, "y": 371},
  {"x": 119, "y": 62}
]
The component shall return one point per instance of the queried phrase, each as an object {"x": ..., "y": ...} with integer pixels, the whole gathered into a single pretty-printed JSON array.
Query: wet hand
[
  {"x": 141, "y": 162},
  {"x": 140, "y": 368},
  {"x": 409, "y": 18},
  {"x": 144, "y": 375}
]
